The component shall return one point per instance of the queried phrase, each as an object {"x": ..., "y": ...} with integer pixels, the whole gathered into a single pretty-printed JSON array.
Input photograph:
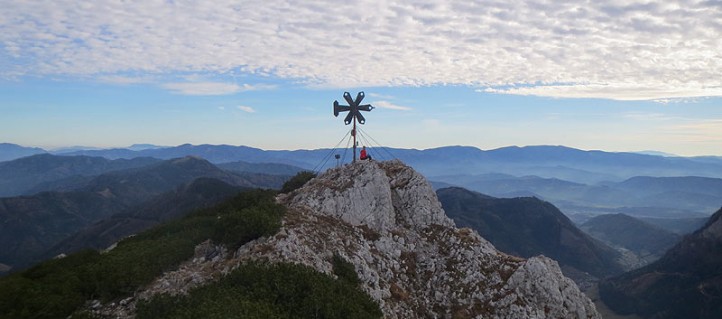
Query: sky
[{"x": 607, "y": 75}]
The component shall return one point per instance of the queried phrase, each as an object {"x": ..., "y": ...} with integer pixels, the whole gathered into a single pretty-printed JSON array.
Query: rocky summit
[{"x": 385, "y": 219}]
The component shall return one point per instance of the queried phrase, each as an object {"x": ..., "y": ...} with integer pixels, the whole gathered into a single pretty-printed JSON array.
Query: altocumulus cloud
[{"x": 627, "y": 50}]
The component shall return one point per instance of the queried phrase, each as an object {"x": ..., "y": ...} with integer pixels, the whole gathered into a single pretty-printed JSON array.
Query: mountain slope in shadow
[
  {"x": 647, "y": 241},
  {"x": 527, "y": 227},
  {"x": 200, "y": 193},
  {"x": 30, "y": 225},
  {"x": 685, "y": 283}
]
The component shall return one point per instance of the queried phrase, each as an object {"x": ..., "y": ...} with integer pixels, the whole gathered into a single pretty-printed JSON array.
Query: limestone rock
[{"x": 385, "y": 219}]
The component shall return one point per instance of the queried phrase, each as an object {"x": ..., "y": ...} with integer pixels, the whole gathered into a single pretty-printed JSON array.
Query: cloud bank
[{"x": 625, "y": 50}]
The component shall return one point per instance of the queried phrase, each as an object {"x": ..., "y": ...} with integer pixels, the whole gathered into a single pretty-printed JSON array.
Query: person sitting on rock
[{"x": 364, "y": 154}]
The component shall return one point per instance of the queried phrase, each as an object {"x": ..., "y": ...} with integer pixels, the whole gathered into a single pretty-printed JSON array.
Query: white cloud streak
[
  {"x": 210, "y": 88},
  {"x": 391, "y": 106},
  {"x": 246, "y": 109},
  {"x": 625, "y": 50}
]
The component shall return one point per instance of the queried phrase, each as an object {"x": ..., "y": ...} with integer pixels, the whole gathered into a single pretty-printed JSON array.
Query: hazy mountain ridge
[
  {"x": 688, "y": 192},
  {"x": 679, "y": 226},
  {"x": 685, "y": 283},
  {"x": 544, "y": 161},
  {"x": 265, "y": 168},
  {"x": 10, "y": 151},
  {"x": 29, "y": 225},
  {"x": 647, "y": 241},
  {"x": 199, "y": 193},
  {"x": 641, "y": 196},
  {"x": 36, "y": 173},
  {"x": 528, "y": 227},
  {"x": 140, "y": 184}
]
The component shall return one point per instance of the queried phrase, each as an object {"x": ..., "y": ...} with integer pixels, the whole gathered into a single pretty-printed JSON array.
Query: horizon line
[{"x": 80, "y": 148}]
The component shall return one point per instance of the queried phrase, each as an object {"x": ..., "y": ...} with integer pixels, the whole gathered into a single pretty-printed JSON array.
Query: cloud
[
  {"x": 211, "y": 88},
  {"x": 628, "y": 50},
  {"x": 680, "y": 100},
  {"x": 650, "y": 116},
  {"x": 628, "y": 92},
  {"x": 124, "y": 80},
  {"x": 246, "y": 109},
  {"x": 202, "y": 88},
  {"x": 391, "y": 106},
  {"x": 381, "y": 96}
]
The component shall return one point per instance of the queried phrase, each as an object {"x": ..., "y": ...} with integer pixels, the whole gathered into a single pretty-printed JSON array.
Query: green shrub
[
  {"x": 54, "y": 287},
  {"x": 297, "y": 181},
  {"x": 241, "y": 226},
  {"x": 57, "y": 288},
  {"x": 266, "y": 291},
  {"x": 344, "y": 270}
]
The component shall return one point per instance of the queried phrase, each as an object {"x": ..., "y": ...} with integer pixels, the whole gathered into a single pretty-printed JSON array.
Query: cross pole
[{"x": 353, "y": 108}]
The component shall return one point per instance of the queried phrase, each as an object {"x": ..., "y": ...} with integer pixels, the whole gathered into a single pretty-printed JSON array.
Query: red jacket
[{"x": 363, "y": 154}]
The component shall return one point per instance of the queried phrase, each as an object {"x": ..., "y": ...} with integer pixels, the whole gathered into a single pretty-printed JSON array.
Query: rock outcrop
[{"x": 385, "y": 219}]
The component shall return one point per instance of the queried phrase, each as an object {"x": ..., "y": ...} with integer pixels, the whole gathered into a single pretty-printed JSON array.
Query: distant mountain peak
[
  {"x": 9, "y": 151},
  {"x": 656, "y": 153}
]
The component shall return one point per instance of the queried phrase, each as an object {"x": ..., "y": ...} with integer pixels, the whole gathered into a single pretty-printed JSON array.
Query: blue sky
[{"x": 616, "y": 76}]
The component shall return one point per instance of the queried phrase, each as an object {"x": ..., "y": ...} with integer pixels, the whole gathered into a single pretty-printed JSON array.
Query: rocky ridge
[{"x": 385, "y": 219}]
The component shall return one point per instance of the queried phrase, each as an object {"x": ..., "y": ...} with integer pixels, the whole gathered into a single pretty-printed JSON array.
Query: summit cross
[{"x": 353, "y": 108}]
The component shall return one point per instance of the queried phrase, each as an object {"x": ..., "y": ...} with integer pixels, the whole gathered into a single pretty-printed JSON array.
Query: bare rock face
[{"x": 385, "y": 219}]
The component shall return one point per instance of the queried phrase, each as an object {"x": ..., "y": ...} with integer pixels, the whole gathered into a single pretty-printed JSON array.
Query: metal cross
[{"x": 352, "y": 108}]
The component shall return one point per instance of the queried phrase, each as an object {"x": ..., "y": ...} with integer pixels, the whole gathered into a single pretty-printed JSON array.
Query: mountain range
[
  {"x": 71, "y": 202},
  {"x": 35, "y": 173},
  {"x": 640, "y": 196},
  {"x": 545, "y": 161},
  {"x": 31, "y": 224},
  {"x": 581, "y": 183}
]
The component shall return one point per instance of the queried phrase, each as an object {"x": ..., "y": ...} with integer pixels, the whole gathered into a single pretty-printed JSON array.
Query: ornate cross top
[{"x": 352, "y": 108}]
